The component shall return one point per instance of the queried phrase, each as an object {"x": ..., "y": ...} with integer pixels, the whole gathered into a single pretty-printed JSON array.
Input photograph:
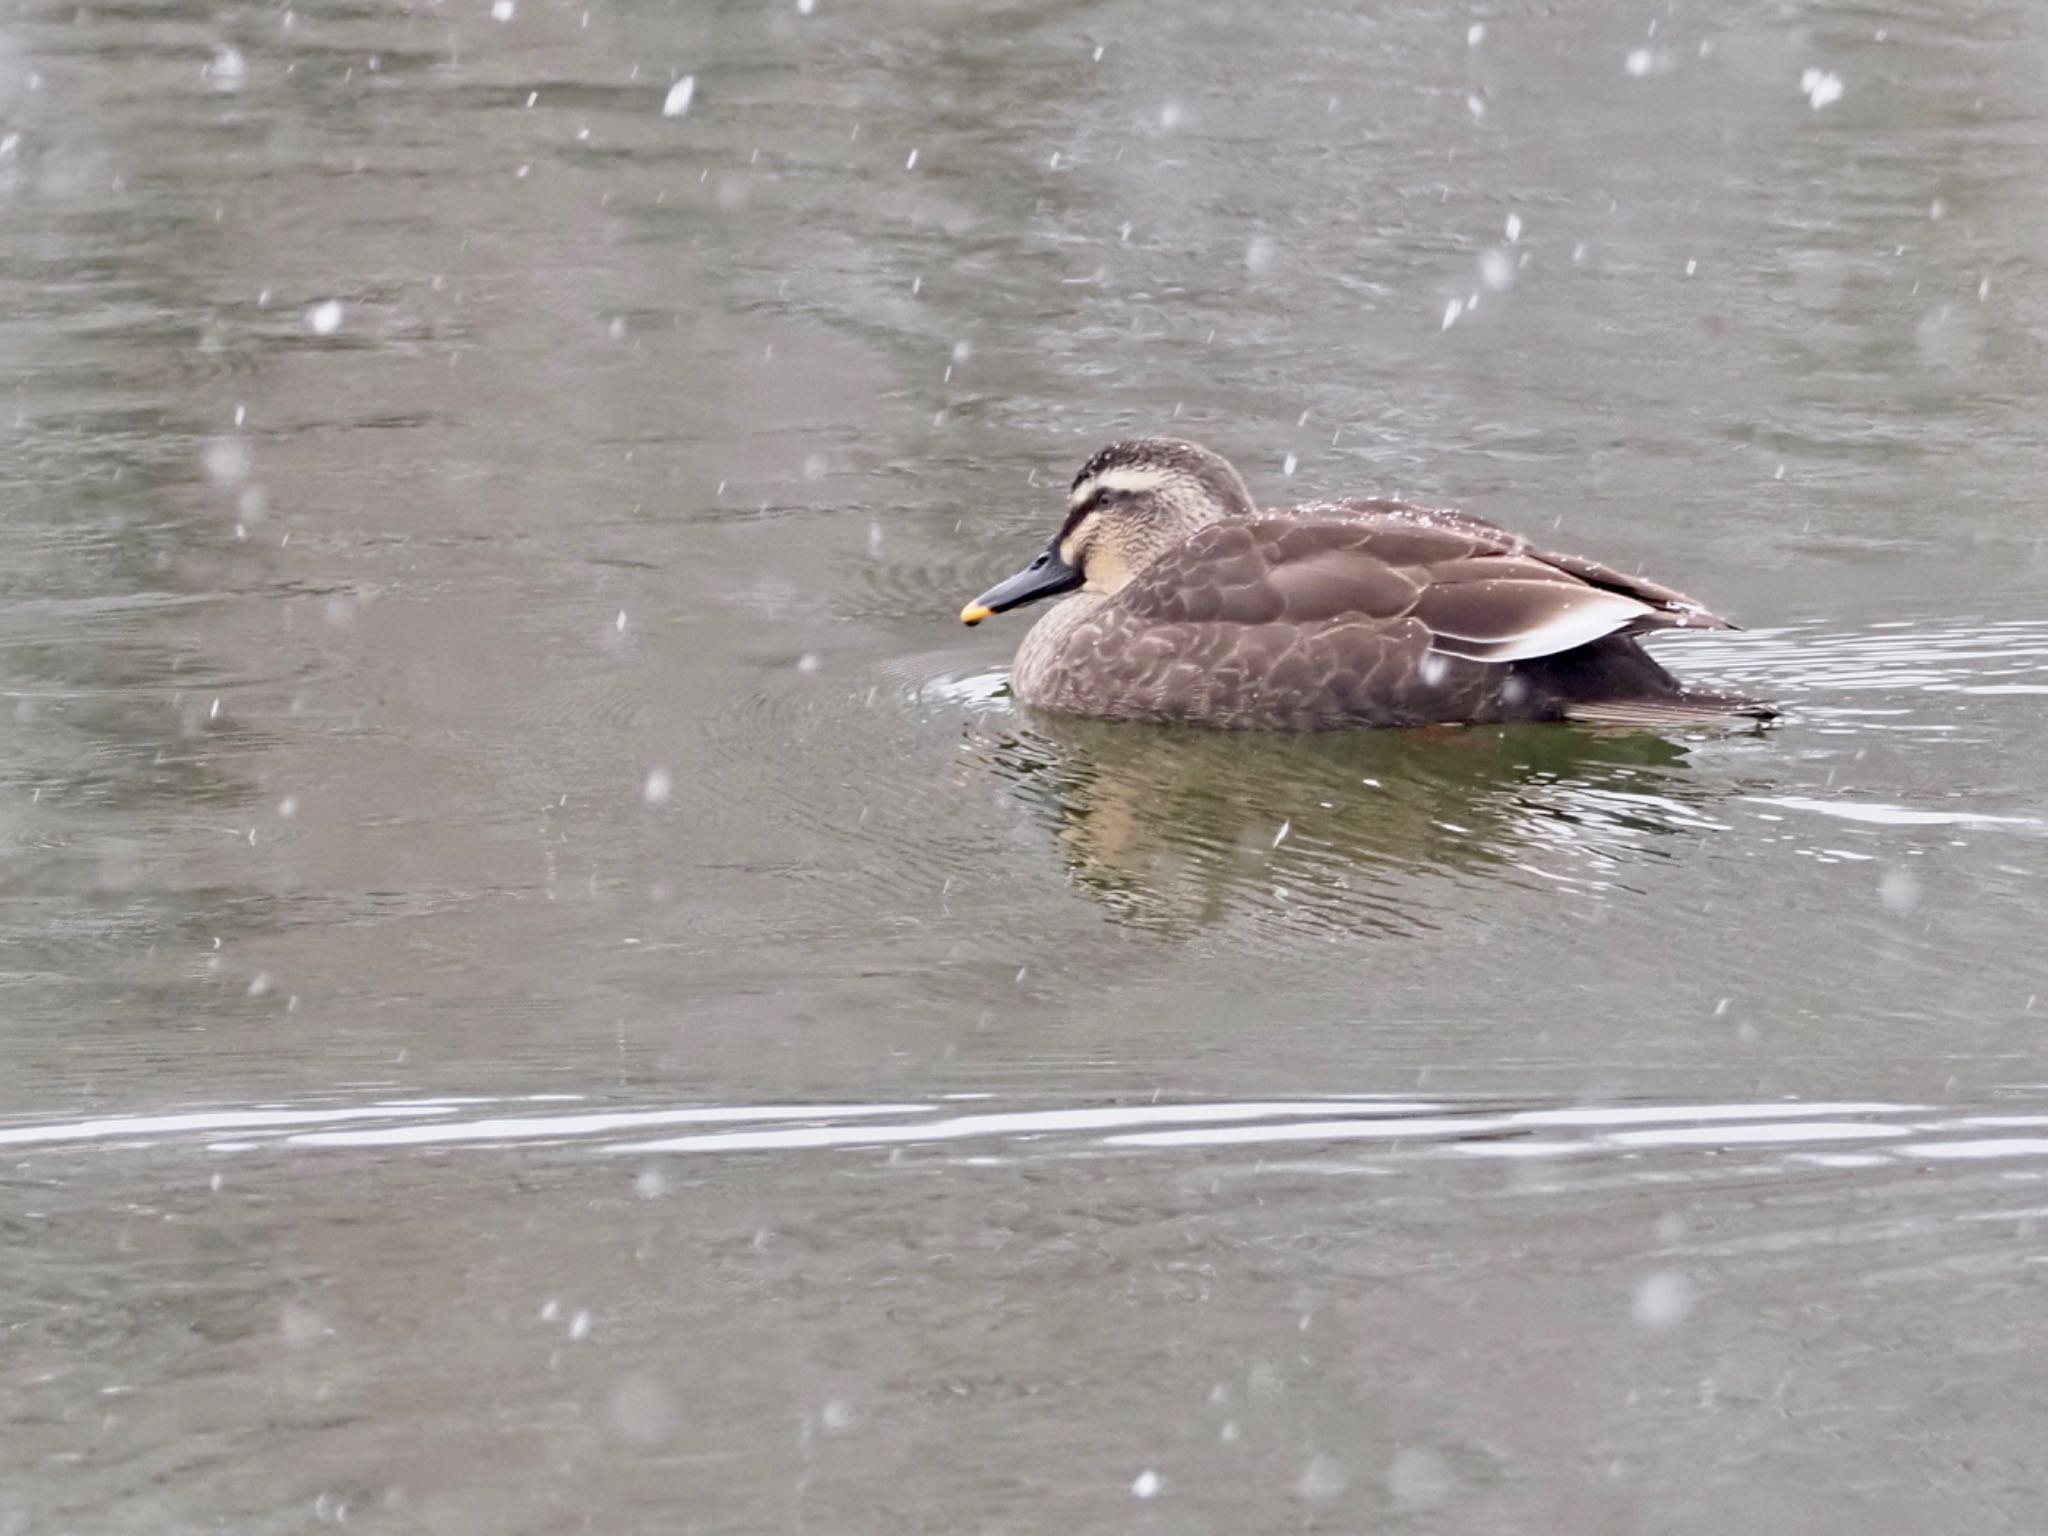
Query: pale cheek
[{"x": 1106, "y": 573}]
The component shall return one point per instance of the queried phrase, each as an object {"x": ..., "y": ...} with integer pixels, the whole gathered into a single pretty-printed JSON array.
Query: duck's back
[{"x": 1354, "y": 613}]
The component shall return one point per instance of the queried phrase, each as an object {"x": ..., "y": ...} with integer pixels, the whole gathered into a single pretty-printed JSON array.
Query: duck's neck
[{"x": 1111, "y": 570}]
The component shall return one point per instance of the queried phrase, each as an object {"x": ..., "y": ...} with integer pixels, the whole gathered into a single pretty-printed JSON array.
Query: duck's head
[{"x": 1130, "y": 502}]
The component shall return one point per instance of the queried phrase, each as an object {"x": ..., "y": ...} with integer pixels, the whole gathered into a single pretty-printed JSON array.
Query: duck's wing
[
  {"x": 1397, "y": 516},
  {"x": 1479, "y": 592}
]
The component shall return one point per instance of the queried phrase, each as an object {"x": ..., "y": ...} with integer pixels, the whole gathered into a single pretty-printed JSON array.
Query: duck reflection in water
[{"x": 1178, "y": 829}]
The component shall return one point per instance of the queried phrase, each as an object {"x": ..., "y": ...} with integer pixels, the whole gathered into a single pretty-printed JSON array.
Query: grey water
[{"x": 545, "y": 985}]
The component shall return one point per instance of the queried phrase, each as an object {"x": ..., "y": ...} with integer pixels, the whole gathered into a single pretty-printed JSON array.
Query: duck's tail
[
  {"x": 1614, "y": 681},
  {"x": 1687, "y": 708}
]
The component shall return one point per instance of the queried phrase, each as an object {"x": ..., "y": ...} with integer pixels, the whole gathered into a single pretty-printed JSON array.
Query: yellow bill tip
[{"x": 974, "y": 613}]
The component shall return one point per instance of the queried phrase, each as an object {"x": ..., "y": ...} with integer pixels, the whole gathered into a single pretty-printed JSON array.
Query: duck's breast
[{"x": 1056, "y": 653}]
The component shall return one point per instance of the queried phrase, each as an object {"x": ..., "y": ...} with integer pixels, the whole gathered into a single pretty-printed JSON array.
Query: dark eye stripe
[{"x": 1094, "y": 501}]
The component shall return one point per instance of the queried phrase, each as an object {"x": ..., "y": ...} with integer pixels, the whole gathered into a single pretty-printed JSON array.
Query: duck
[{"x": 1181, "y": 601}]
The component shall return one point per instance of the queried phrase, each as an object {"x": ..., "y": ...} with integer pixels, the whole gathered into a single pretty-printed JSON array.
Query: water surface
[{"x": 545, "y": 985}]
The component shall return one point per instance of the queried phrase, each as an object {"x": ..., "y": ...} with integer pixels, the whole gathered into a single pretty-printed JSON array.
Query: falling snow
[
  {"x": 226, "y": 460},
  {"x": 228, "y": 69},
  {"x": 643, "y": 1411},
  {"x": 1822, "y": 88},
  {"x": 1418, "y": 1481},
  {"x": 1323, "y": 1479},
  {"x": 1662, "y": 1300}
]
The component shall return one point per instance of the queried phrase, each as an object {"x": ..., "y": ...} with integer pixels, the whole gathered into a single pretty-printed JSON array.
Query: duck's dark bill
[{"x": 1047, "y": 576}]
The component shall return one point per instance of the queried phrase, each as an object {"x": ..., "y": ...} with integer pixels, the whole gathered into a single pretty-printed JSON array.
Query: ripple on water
[
  {"x": 1821, "y": 673},
  {"x": 935, "y": 585},
  {"x": 1400, "y": 1129}
]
